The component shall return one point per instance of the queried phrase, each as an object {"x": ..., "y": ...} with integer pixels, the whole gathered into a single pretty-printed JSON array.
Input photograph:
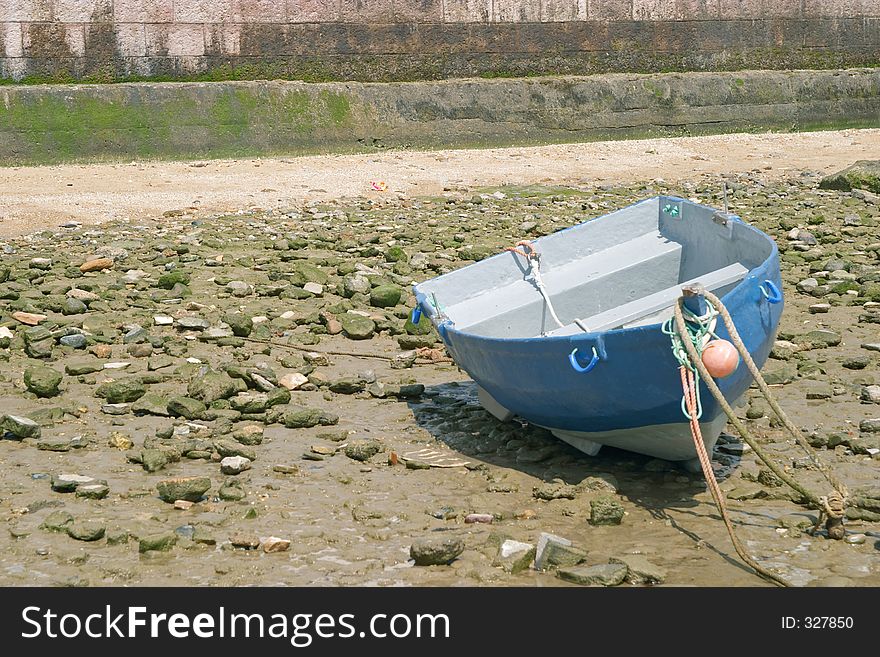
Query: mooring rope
[
  {"x": 689, "y": 386},
  {"x": 831, "y": 506},
  {"x": 768, "y": 395}
]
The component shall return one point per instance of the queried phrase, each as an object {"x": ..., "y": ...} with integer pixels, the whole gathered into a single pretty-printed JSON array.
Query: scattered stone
[
  {"x": 154, "y": 460},
  {"x": 347, "y": 386},
  {"x": 856, "y": 362},
  {"x": 363, "y": 450},
  {"x": 86, "y": 530},
  {"x": 606, "y": 511},
  {"x": 38, "y": 342},
  {"x": 241, "y": 325},
  {"x": 190, "y": 323},
  {"x": 28, "y": 319},
  {"x": 640, "y": 571},
  {"x": 822, "y": 338},
  {"x": 554, "y": 491},
  {"x": 479, "y": 518},
  {"x": 515, "y": 556},
  {"x": 250, "y": 402},
  {"x": 251, "y": 434},
  {"x": 98, "y": 264},
  {"x": 238, "y": 288},
  {"x": 406, "y": 391},
  {"x": 314, "y": 288},
  {"x": 16, "y": 426},
  {"x": 356, "y": 327},
  {"x": 74, "y": 341},
  {"x": 73, "y": 306},
  {"x": 93, "y": 491},
  {"x": 355, "y": 284},
  {"x": 57, "y": 521},
  {"x": 385, "y": 296},
  {"x": 244, "y": 541},
  {"x": 609, "y": 574},
  {"x": 871, "y": 425},
  {"x": 183, "y": 488},
  {"x": 316, "y": 359},
  {"x": 746, "y": 491},
  {"x": 191, "y": 409},
  {"x": 871, "y": 394},
  {"x": 435, "y": 551},
  {"x": 151, "y": 404},
  {"x": 213, "y": 386},
  {"x": 159, "y": 542},
  {"x": 819, "y": 390},
  {"x": 121, "y": 391},
  {"x": 54, "y": 444},
  {"x": 82, "y": 368},
  {"x": 782, "y": 373},
  {"x": 43, "y": 381},
  {"x": 233, "y": 465},
  {"x": 274, "y": 544},
  {"x": 404, "y": 360},
  {"x": 232, "y": 491},
  {"x": 557, "y": 552},
  {"x": 68, "y": 483},
  {"x": 203, "y": 536},
  {"x": 305, "y": 418},
  {"x": 756, "y": 410},
  {"x": 293, "y": 381}
]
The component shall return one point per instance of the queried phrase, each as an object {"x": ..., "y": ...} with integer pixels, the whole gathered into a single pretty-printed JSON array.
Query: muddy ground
[{"x": 210, "y": 326}]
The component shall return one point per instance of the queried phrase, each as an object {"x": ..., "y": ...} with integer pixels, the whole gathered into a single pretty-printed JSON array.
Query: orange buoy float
[{"x": 720, "y": 358}]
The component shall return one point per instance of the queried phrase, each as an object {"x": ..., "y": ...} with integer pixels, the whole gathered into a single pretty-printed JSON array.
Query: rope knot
[
  {"x": 529, "y": 252},
  {"x": 833, "y": 510},
  {"x": 834, "y": 505}
]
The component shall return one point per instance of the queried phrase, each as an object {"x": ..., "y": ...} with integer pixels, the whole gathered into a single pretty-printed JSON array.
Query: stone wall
[
  {"x": 105, "y": 40},
  {"x": 44, "y": 124}
]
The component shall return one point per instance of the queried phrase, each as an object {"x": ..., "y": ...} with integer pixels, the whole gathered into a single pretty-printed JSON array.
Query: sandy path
[{"x": 32, "y": 198}]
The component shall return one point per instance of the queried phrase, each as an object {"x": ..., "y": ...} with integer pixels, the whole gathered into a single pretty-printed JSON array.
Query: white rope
[
  {"x": 539, "y": 283},
  {"x": 533, "y": 259}
]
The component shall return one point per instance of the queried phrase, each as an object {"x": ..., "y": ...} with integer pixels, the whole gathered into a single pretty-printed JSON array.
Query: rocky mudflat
[{"x": 242, "y": 400}]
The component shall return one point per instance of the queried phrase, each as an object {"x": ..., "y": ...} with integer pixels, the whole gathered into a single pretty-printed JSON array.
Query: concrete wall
[
  {"x": 56, "y": 123},
  {"x": 425, "y": 39}
]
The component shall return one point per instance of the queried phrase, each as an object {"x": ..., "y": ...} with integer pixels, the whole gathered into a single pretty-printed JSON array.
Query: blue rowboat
[{"x": 566, "y": 331}]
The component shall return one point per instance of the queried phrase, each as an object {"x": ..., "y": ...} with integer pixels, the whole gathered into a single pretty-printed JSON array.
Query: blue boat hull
[{"x": 635, "y": 384}]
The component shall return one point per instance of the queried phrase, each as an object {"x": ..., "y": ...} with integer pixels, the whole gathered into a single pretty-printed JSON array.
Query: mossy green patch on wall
[
  {"x": 51, "y": 124},
  {"x": 338, "y": 107}
]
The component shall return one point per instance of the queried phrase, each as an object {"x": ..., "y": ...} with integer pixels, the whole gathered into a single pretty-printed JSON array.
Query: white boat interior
[{"x": 621, "y": 270}]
